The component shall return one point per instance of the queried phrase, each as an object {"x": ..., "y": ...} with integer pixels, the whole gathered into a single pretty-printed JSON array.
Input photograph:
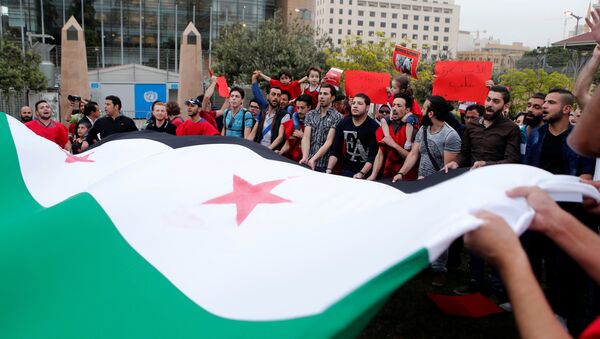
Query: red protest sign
[
  {"x": 462, "y": 80},
  {"x": 370, "y": 83},
  {"x": 406, "y": 60},
  {"x": 334, "y": 76},
  {"x": 222, "y": 87}
]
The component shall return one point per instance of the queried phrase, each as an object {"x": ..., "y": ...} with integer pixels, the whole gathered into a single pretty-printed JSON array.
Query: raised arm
[
  {"x": 210, "y": 90},
  {"x": 585, "y": 138},
  {"x": 258, "y": 94}
]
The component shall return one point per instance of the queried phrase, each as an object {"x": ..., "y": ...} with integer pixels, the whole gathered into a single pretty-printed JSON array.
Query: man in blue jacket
[{"x": 547, "y": 149}]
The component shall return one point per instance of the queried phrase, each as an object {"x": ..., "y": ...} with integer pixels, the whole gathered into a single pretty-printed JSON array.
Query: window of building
[
  {"x": 393, "y": 35},
  {"x": 436, "y": 19},
  {"x": 426, "y": 18},
  {"x": 394, "y": 15},
  {"x": 394, "y": 25},
  {"x": 436, "y": 29},
  {"x": 371, "y": 33},
  {"x": 446, "y": 29},
  {"x": 436, "y": 38},
  {"x": 331, "y": 31},
  {"x": 331, "y": 10},
  {"x": 371, "y": 23},
  {"x": 404, "y": 16},
  {"x": 349, "y": 22},
  {"x": 425, "y": 37},
  {"x": 372, "y": 14},
  {"x": 331, "y": 21},
  {"x": 340, "y": 31},
  {"x": 359, "y": 32},
  {"x": 447, "y": 20},
  {"x": 340, "y": 21},
  {"x": 360, "y": 22},
  {"x": 349, "y": 2},
  {"x": 415, "y": 27},
  {"x": 404, "y": 26},
  {"x": 362, "y": 3},
  {"x": 341, "y": 2},
  {"x": 414, "y": 46},
  {"x": 425, "y": 28},
  {"x": 404, "y": 36},
  {"x": 383, "y": 14},
  {"x": 435, "y": 47},
  {"x": 339, "y": 41},
  {"x": 382, "y": 24},
  {"x": 445, "y": 48},
  {"x": 415, "y": 36},
  {"x": 349, "y": 12},
  {"x": 331, "y": 1},
  {"x": 341, "y": 11},
  {"x": 349, "y": 32},
  {"x": 416, "y": 17},
  {"x": 361, "y": 13}
]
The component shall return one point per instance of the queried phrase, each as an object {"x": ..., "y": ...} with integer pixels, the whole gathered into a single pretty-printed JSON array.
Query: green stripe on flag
[{"x": 67, "y": 272}]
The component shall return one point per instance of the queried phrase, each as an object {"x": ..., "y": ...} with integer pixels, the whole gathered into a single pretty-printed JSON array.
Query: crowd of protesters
[{"x": 310, "y": 122}]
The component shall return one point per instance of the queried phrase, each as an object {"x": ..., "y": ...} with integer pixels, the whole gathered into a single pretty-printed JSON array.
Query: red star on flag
[
  {"x": 246, "y": 196},
  {"x": 72, "y": 158}
]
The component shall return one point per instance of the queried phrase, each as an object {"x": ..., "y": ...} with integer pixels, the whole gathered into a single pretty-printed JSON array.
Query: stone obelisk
[
  {"x": 190, "y": 65},
  {"x": 74, "y": 68}
]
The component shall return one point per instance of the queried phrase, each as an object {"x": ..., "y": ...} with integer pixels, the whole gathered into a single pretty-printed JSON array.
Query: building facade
[
  {"x": 504, "y": 56},
  {"x": 430, "y": 26},
  {"x": 120, "y": 32}
]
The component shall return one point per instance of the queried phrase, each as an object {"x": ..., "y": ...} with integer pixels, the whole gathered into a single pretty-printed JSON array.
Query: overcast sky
[{"x": 533, "y": 22}]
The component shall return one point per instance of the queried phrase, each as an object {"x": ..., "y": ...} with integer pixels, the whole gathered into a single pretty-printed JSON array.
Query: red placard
[
  {"x": 334, "y": 76},
  {"x": 222, "y": 87},
  {"x": 462, "y": 80},
  {"x": 406, "y": 60},
  {"x": 370, "y": 83}
]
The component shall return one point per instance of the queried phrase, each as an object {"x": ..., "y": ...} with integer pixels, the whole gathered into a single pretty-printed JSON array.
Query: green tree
[
  {"x": 356, "y": 55},
  {"x": 273, "y": 45},
  {"x": 18, "y": 71},
  {"x": 423, "y": 86},
  {"x": 525, "y": 83}
]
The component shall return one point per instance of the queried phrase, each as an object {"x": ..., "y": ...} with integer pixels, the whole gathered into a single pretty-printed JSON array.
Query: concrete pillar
[
  {"x": 190, "y": 66},
  {"x": 74, "y": 67}
]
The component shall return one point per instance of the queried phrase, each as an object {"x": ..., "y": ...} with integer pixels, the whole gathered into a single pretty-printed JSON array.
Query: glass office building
[{"x": 130, "y": 31}]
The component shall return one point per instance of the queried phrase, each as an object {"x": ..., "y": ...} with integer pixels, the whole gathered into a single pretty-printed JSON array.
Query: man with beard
[
  {"x": 159, "y": 121},
  {"x": 26, "y": 114},
  {"x": 269, "y": 131},
  {"x": 491, "y": 140},
  {"x": 533, "y": 118},
  {"x": 355, "y": 143},
  {"x": 291, "y": 148},
  {"x": 44, "y": 126},
  {"x": 547, "y": 149},
  {"x": 391, "y": 154},
  {"x": 195, "y": 125}
]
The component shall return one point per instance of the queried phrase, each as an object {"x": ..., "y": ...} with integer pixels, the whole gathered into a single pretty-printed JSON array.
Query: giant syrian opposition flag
[{"x": 156, "y": 236}]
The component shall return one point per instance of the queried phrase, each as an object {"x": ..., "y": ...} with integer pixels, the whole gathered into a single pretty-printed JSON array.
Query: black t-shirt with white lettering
[{"x": 355, "y": 145}]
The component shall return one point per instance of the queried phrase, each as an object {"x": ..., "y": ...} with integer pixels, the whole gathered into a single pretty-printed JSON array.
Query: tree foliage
[
  {"x": 270, "y": 47},
  {"x": 423, "y": 86},
  {"x": 356, "y": 55},
  {"x": 525, "y": 83},
  {"x": 18, "y": 71}
]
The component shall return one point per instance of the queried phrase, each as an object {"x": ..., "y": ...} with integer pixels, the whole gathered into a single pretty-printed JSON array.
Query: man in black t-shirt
[
  {"x": 355, "y": 142},
  {"x": 112, "y": 123}
]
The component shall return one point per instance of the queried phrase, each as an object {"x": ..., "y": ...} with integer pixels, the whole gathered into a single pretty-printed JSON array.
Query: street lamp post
[{"x": 570, "y": 13}]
